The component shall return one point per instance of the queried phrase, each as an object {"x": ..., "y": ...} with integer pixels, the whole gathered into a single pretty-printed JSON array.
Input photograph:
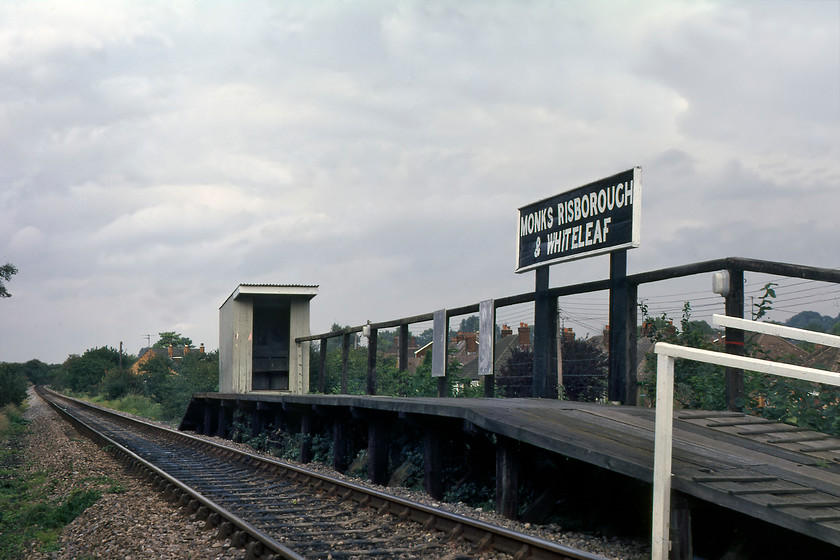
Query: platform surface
[{"x": 775, "y": 472}]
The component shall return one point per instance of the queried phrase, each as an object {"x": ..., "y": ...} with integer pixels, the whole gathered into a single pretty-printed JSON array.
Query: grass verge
[{"x": 29, "y": 517}]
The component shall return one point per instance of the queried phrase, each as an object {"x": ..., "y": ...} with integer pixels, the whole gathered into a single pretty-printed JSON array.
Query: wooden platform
[{"x": 774, "y": 472}]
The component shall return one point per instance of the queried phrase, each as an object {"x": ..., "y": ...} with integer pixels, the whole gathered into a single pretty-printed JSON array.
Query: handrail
[{"x": 664, "y": 424}]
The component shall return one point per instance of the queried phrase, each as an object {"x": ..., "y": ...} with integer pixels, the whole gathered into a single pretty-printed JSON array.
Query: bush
[{"x": 12, "y": 385}]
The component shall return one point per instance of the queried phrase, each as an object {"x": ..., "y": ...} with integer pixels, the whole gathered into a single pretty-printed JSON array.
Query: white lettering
[
  {"x": 602, "y": 201},
  {"x": 607, "y": 222},
  {"x": 597, "y": 238},
  {"x": 577, "y": 209},
  {"x": 588, "y": 240}
]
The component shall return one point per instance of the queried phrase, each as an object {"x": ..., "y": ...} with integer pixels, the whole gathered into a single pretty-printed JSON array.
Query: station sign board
[{"x": 594, "y": 219}]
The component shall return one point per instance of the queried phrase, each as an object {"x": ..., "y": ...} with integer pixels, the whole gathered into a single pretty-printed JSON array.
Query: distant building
[
  {"x": 502, "y": 349},
  {"x": 175, "y": 353}
]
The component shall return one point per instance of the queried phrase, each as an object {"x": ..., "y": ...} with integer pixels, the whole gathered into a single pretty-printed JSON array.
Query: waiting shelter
[{"x": 258, "y": 325}]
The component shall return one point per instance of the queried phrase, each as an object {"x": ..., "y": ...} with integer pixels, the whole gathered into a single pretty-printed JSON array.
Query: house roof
[
  {"x": 824, "y": 357},
  {"x": 502, "y": 351}
]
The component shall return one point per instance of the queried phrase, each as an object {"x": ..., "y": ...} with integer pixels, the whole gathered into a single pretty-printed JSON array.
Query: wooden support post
[
  {"x": 339, "y": 444},
  {"x": 207, "y": 426},
  {"x": 345, "y": 355},
  {"x": 378, "y": 438},
  {"x": 681, "y": 544},
  {"x": 371, "y": 362},
  {"x": 543, "y": 342},
  {"x": 617, "y": 380},
  {"x": 433, "y": 463},
  {"x": 322, "y": 366},
  {"x": 306, "y": 437},
  {"x": 734, "y": 384},
  {"x": 256, "y": 425},
  {"x": 507, "y": 477},
  {"x": 221, "y": 428}
]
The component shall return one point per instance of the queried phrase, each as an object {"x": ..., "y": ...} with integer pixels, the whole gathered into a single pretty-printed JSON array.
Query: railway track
[{"x": 276, "y": 510}]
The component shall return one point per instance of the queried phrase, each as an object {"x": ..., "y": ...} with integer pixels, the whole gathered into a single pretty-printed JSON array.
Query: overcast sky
[{"x": 154, "y": 155}]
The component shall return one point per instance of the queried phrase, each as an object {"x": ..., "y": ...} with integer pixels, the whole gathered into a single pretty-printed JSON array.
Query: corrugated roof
[
  {"x": 279, "y": 285},
  {"x": 299, "y": 290}
]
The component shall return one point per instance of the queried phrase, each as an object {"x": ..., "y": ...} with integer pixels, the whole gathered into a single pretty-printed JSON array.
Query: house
[
  {"x": 172, "y": 352},
  {"x": 502, "y": 348}
]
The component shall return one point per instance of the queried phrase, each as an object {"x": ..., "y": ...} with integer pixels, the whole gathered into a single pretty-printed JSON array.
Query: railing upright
[{"x": 734, "y": 378}]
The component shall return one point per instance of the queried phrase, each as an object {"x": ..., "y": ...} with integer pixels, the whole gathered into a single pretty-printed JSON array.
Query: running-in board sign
[{"x": 597, "y": 218}]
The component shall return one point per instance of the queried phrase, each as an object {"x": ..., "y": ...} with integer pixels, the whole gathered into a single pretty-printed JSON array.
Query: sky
[{"x": 154, "y": 155}]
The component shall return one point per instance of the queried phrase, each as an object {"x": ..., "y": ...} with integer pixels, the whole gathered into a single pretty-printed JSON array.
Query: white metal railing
[{"x": 666, "y": 354}]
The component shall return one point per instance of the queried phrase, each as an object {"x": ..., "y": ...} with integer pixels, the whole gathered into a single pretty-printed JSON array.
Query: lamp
[{"x": 720, "y": 283}]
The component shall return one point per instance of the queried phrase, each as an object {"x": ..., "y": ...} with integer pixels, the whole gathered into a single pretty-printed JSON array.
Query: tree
[
  {"x": 6, "y": 272},
  {"x": 196, "y": 373},
  {"x": 38, "y": 372},
  {"x": 515, "y": 377},
  {"x": 12, "y": 384},
  {"x": 173, "y": 338},
  {"x": 154, "y": 374},
  {"x": 85, "y": 373},
  {"x": 470, "y": 324},
  {"x": 585, "y": 369}
]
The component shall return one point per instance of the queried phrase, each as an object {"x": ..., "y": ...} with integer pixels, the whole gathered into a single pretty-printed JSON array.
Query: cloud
[{"x": 153, "y": 156}]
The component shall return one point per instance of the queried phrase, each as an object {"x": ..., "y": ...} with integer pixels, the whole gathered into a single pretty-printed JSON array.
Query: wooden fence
[{"x": 623, "y": 289}]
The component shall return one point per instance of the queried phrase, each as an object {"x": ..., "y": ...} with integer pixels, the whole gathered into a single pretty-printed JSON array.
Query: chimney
[
  {"x": 201, "y": 348},
  {"x": 568, "y": 335},
  {"x": 506, "y": 331},
  {"x": 472, "y": 344},
  {"x": 524, "y": 335},
  {"x": 186, "y": 349},
  {"x": 170, "y": 350}
]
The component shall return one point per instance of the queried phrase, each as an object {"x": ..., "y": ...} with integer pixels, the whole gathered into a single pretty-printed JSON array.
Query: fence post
[
  {"x": 735, "y": 341},
  {"x": 403, "y": 359},
  {"x": 322, "y": 366},
  {"x": 630, "y": 396},
  {"x": 616, "y": 381},
  {"x": 545, "y": 333},
  {"x": 345, "y": 355},
  {"x": 371, "y": 361}
]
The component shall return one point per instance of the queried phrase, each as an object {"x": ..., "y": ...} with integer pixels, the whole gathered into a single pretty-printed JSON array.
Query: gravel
[{"x": 133, "y": 522}]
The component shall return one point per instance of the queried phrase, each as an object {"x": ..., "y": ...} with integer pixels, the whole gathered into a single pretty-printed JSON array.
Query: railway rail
[{"x": 276, "y": 510}]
